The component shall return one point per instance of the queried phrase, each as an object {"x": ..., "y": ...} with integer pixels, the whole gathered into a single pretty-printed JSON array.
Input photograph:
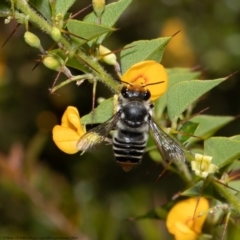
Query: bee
[{"x": 132, "y": 123}]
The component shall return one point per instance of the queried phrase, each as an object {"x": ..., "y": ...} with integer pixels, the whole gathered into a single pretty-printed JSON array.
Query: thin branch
[{"x": 76, "y": 78}]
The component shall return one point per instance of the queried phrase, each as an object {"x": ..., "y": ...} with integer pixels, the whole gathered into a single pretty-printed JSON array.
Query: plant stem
[
  {"x": 76, "y": 78},
  {"x": 46, "y": 27},
  {"x": 225, "y": 192}
]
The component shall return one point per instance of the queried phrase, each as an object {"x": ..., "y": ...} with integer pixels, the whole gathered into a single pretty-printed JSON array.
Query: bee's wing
[
  {"x": 97, "y": 135},
  {"x": 168, "y": 148}
]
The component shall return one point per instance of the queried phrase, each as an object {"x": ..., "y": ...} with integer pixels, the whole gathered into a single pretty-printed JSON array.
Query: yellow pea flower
[
  {"x": 148, "y": 72},
  {"x": 179, "y": 51},
  {"x": 69, "y": 132},
  {"x": 181, "y": 221}
]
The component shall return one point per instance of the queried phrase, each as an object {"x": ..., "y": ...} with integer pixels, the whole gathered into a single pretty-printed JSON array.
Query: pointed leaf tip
[{"x": 183, "y": 94}]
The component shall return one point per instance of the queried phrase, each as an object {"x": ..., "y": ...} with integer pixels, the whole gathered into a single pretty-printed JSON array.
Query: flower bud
[
  {"x": 106, "y": 55},
  {"x": 32, "y": 40},
  {"x": 52, "y": 63},
  {"x": 59, "y": 20},
  {"x": 98, "y": 7},
  {"x": 55, "y": 34}
]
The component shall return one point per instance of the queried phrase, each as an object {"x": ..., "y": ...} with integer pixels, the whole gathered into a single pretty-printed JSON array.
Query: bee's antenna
[
  {"x": 142, "y": 85},
  {"x": 125, "y": 82},
  {"x": 153, "y": 83}
]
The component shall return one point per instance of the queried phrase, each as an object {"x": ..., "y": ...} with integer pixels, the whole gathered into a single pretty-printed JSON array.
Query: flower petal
[
  {"x": 71, "y": 119},
  {"x": 148, "y": 72},
  {"x": 184, "y": 212},
  {"x": 212, "y": 168},
  {"x": 66, "y": 139},
  {"x": 184, "y": 233}
]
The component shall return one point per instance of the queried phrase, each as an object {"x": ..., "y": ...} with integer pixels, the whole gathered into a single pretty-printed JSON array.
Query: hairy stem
[
  {"x": 225, "y": 192},
  {"x": 45, "y": 26}
]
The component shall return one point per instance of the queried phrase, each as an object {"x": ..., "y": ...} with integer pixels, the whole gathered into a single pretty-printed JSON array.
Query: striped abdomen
[{"x": 128, "y": 147}]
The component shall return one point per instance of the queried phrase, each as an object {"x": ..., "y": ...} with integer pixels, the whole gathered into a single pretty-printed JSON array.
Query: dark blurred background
[{"x": 45, "y": 192}]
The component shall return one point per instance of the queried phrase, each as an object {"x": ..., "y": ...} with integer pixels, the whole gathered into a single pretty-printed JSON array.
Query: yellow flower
[
  {"x": 202, "y": 165},
  {"x": 69, "y": 132},
  {"x": 181, "y": 221},
  {"x": 179, "y": 51},
  {"x": 148, "y": 72}
]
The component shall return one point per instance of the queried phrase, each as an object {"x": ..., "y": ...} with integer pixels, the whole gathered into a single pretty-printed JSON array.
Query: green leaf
[
  {"x": 212, "y": 188},
  {"x": 236, "y": 137},
  {"x": 189, "y": 129},
  {"x": 43, "y": 7},
  {"x": 77, "y": 64},
  {"x": 100, "y": 114},
  {"x": 195, "y": 190},
  {"x": 110, "y": 15},
  {"x": 143, "y": 50},
  {"x": 202, "y": 188},
  {"x": 181, "y": 74},
  {"x": 86, "y": 30},
  {"x": 208, "y": 125},
  {"x": 175, "y": 75},
  {"x": 223, "y": 150},
  {"x": 235, "y": 184},
  {"x": 227, "y": 195},
  {"x": 183, "y": 94},
  {"x": 62, "y": 6},
  {"x": 72, "y": 62}
]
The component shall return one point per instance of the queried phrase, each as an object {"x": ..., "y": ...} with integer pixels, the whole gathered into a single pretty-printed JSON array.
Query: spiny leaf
[
  {"x": 189, "y": 129},
  {"x": 181, "y": 74},
  {"x": 235, "y": 184},
  {"x": 72, "y": 62},
  {"x": 43, "y": 7},
  {"x": 77, "y": 64},
  {"x": 110, "y": 15},
  {"x": 175, "y": 75},
  {"x": 183, "y": 94},
  {"x": 236, "y": 137},
  {"x": 223, "y": 150},
  {"x": 63, "y": 6},
  {"x": 100, "y": 114},
  {"x": 208, "y": 125},
  {"x": 86, "y": 30},
  {"x": 202, "y": 188},
  {"x": 143, "y": 50}
]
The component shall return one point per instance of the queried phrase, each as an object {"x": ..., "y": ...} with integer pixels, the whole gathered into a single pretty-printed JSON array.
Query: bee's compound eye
[
  {"x": 147, "y": 95},
  {"x": 124, "y": 92}
]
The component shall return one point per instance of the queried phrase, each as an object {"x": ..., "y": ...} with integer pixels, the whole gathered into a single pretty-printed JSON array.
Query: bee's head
[
  {"x": 138, "y": 91},
  {"x": 135, "y": 92}
]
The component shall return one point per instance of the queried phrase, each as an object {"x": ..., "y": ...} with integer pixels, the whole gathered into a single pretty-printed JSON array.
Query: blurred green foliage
[{"x": 45, "y": 192}]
